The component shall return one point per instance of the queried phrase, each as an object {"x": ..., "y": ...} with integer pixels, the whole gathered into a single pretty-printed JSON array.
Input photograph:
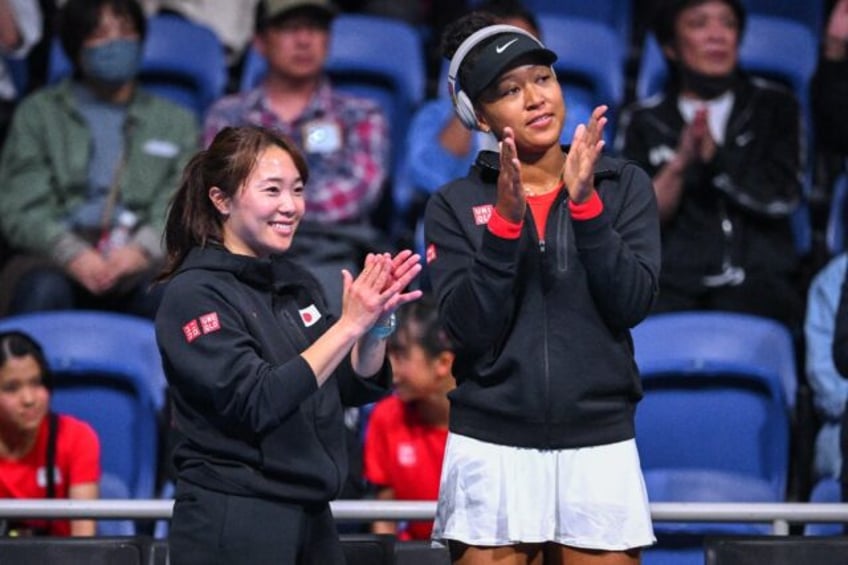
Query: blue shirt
[{"x": 830, "y": 390}]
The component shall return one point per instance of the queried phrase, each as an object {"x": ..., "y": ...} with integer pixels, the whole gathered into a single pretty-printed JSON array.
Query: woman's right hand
[
  {"x": 365, "y": 297},
  {"x": 511, "y": 203},
  {"x": 696, "y": 142}
]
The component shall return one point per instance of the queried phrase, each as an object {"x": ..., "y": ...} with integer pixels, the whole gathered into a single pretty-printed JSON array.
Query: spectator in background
[
  {"x": 440, "y": 148},
  {"x": 830, "y": 83},
  {"x": 21, "y": 26},
  {"x": 724, "y": 151},
  {"x": 42, "y": 454},
  {"x": 88, "y": 171},
  {"x": 830, "y": 390},
  {"x": 345, "y": 138},
  {"x": 840, "y": 361},
  {"x": 405, "y": 441}
]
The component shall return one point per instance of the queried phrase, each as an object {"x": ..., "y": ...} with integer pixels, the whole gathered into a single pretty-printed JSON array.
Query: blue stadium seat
[
  {"x": 589, "y": 76},
  {"x": 161, "y": 527},
  {"x": 19, "y": 72},
  {"x": 114, "y": 487},
  {"x": 371, "y": 56},
  {"x": 810, "y": 13},
  {"x": 182, "y": 61},
  {"x": 108, "y": 372},
  {"x": 826, "y": 490},
  {"x": 714, "y": 424},
  {"x": 615, "y": 14}
]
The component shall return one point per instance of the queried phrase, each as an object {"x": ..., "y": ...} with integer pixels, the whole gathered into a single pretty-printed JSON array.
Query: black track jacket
[
  {"x": 544, "y": 357},
  {"x": 231, "y": 329}
]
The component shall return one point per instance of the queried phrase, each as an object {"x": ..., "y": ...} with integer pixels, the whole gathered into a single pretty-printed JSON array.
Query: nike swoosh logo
[
  {"x": 744, "y": 138},
  {"x": 501, "y": 48}
]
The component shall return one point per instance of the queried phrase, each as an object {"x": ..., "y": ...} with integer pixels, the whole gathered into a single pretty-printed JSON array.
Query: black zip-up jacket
[
  {"x": 255, "y": 423},
  {"x": 544, "y": 357},
  {"x": 735, "y": 211},
  {"x": 829, "y": 95}
]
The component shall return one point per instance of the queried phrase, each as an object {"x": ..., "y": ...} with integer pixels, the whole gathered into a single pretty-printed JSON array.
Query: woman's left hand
[
  {"x": 586, "y": 147},
  {"x": 405, "y": 267}
]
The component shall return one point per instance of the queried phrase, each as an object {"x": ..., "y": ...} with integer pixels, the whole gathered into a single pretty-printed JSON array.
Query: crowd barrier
[
  {"x": 779, "y": 548},
  {"x": 779, "y": 515}
]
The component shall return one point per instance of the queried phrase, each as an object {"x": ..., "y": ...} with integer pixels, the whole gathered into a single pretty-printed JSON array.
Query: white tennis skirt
[{"x": 590, "y": 497}]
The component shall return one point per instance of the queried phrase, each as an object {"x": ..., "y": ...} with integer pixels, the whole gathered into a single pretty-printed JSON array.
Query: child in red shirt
[
  {"x": 27, "y": 428},
  {"x": 406, "y": 434}
]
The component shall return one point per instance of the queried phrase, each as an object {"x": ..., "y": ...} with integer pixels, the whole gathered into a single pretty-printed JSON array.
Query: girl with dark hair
[
  {"x": 257, "y": 368},
  {"x": 42, "y": 454},
  {"x": 405, "y": 439},
  {"x": 542, "y": 258}
]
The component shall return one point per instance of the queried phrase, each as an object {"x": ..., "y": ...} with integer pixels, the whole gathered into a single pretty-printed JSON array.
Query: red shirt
[
  {"x": 404, "y": 454},
  {"x": 77, "y": 462}
]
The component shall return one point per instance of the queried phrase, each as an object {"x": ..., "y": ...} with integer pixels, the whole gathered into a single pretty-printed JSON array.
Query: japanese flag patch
[
  {"x": 309, "y": 315},
  {"x": 431, "y": 253}
]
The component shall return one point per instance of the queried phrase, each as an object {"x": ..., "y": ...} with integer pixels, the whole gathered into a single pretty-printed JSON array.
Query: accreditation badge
[{"x": 322, "y": 136}]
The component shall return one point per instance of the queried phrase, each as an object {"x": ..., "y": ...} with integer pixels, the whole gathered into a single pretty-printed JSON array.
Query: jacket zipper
[
  {"x": 730, "y": 275},
  {"x": 561, "y": 252},
  {"x": 562, "y": 236},
  {"x": 547, "y": 370}
]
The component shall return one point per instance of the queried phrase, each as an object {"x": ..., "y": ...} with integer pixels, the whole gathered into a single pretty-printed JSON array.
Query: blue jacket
[{"x": 830, "y": 390}]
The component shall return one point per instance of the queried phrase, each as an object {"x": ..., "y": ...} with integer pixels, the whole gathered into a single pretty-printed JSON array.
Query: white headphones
[{"x": 461, "y": 102}]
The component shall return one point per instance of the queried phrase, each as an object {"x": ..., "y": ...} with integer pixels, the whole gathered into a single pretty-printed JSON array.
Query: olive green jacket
[{"x": 45, "y": 161}]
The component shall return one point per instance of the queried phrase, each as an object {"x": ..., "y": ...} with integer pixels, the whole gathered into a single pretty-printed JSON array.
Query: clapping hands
[{"x": 379, "y": 289}]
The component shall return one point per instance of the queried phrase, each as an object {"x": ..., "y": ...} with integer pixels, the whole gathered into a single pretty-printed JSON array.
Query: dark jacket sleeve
[
  {"x": 759, "y": 168},
  {"x": 763, "y": 175},
  {"x": 620, "y": 249},
  {"x": 358, "y": 391},
  {"x": 840, "y": 332},
  {"x": 475, "y": 288},
  {"x": 223, "y": 369},
  {"x": 829, "y": 96}
]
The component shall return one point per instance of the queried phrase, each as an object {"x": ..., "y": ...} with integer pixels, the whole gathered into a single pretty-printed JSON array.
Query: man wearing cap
[{"x": 345, "y": 138}]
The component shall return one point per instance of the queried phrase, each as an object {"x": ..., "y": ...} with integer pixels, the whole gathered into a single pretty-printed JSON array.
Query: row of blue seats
[
  {"x": 620, "y": 14},
  {"x": 714, "y": 425}
]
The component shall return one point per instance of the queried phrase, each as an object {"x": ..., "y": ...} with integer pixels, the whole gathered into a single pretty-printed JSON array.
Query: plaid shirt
[{"x": 345, "y": 178}]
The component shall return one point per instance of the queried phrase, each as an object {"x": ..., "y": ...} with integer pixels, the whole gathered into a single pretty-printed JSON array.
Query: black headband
[{"x": 498, "y": 55}]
